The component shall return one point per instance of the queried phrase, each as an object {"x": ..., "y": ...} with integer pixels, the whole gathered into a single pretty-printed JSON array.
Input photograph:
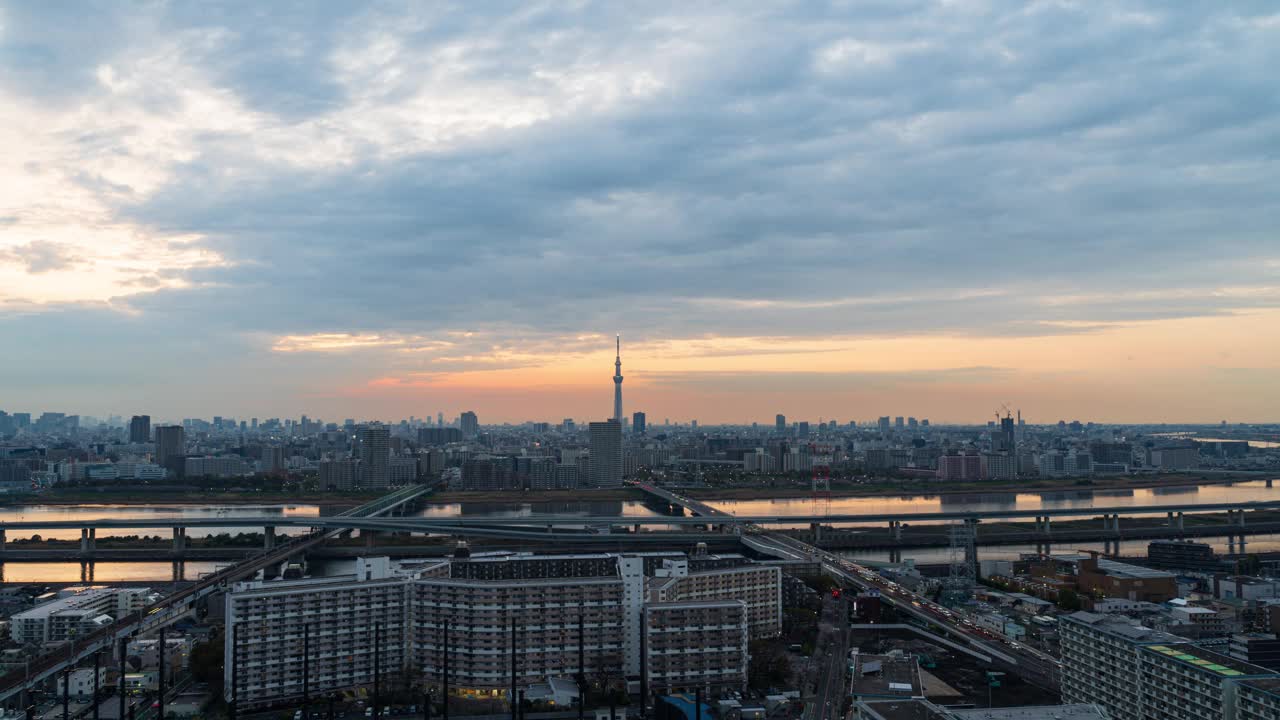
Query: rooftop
[
  {"x": 1034, "y": 712},
  {"x": 1210, "y": 661},
  {"x": 884, "y": 676}
]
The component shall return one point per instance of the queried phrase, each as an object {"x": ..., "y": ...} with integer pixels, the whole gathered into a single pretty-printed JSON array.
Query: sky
[{"x": 829, "y": 210}]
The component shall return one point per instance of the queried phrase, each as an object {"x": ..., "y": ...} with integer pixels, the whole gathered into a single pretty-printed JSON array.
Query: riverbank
[
  {"x": 81, "y": 498},
  {"x": 925, "y": 487},
  {"x": 532, "y": 496}
]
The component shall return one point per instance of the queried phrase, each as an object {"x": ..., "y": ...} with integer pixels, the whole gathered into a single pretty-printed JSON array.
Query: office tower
[
  {"x": 439, "y": 419},
  {"x": 140, "y": 429},
  {"x": 637, "y": 423},
  {"x": 617, "y": 384},
  {"x": 171, "y": 445},
  {"x": 912, "y": 423},
  {"x": 253, "y": 424},
  {"x": 375, "y": 456},
  {"x": 1003, "y": 440},
  {"x": 884, "y": 423},
  {"x": 606, "y": 454},
  {"x": 804, "y": 428},
  {"x": 924, "y": 422},
  {"x": 780, "y": 423},
  {"x": 898, "y": 423},
  {"x": 470, "y": 424}
]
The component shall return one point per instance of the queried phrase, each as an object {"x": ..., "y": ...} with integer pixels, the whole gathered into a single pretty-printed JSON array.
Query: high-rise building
[
  {"x": 171, "y": 444},
  {"x": 899, "y": 423},
  {"x": 804, "y": 429},
  {"x": 638, "y": 423},
  {"x": 140, "y": 429},
  {"x": 884, "y": 423},
  {"x": 375, "y": 456},
  {"x": 1004, "y": 439},
  {"x": 780, "y": 423},
  {"x": 470, "y": 424},
  {"x": 617, "y": 384},
  {"x": 606, "y": 454},
  {"x": 339, "y": 474}
]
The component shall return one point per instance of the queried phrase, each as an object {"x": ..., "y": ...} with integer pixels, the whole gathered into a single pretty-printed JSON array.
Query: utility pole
[
  {"x": 66, "y": 693},
  {"x": 124, "y": 651},
  {"x": 162, "y": 682},
  {"x": 512, "y": 696},
  {"x": 235, "y": 671},
  {"x": 582, "y": 667},
  {"x": 377, "y": 670},
  {"x": 97, "y": 670},
  {"x": 306, "y": 671},
  {"x": 445, "y": 707}
]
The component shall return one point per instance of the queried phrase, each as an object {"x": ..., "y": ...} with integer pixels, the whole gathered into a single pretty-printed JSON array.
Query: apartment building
[
  {"x": 1136, "y": 673},
  {"x": 1258, "y": 699},
  {"x": 547, "y": 611},
  {"x": 690, "y": 645},
  {"x": 336, "y": 620},
  {"x": 759, "y": 586},
  {"x": 1191, "y": 682},
  {"x": 1100, "y": 661},
  {"x": 76, "y": 611}
]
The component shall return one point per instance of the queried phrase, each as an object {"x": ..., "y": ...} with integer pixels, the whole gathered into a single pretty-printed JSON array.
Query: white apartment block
[
  {"x": 77, "y": 611},
  {"x": 602, "y": 608},
  {"x": 691, "y": 645},
  {"x": 340, "y": 617},
  {"x": 1136, "y": 673}
]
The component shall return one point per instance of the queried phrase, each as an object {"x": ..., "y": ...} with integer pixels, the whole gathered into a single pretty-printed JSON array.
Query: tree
[
  {"x": 1069, "y": 600},
  {"x": 206, "y": 663},
  {"x": 769, "y": 665}
]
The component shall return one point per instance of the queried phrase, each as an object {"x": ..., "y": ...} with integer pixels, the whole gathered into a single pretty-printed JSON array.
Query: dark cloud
[{"x": 778, "y": 169}]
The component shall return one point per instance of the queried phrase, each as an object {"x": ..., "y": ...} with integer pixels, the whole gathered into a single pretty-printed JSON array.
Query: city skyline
[{"x": 813, "y": 211}]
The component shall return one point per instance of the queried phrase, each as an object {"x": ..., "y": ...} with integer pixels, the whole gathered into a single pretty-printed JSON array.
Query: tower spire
[{"x": 617, "y": 382}]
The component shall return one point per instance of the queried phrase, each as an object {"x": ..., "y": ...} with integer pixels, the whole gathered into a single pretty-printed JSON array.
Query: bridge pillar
[
  {"x": 895, "y": 555},
  {"x": 816, "y": 529},
  {"x": 1048, "y": 526},
  {"x": 370, "y": 537},
  {"x": 179, "y": 539},
  {"x": 895, "y": 529},
  {"x": 269, "y": 537},
  {"x": 3, "y": 540},
  {"x": 1240, "y": 517},
  {"x": 1268, "y": 483},
  {"x": 88, "y": 539}
]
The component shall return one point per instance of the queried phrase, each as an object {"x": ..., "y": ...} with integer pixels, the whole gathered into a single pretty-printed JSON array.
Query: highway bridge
[
  {"x": 1032, "y": 665},
  {"x": 178, "y": 605},
  {"x": 447, "y": 525}
]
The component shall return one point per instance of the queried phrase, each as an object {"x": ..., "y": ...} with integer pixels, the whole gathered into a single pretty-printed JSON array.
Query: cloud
[
  {"x": 40, "y": 256},
  {"x": 361, "y": 182}
]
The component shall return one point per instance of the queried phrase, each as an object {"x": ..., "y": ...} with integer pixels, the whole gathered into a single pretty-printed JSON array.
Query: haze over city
[{"x": 841, "y": 212}]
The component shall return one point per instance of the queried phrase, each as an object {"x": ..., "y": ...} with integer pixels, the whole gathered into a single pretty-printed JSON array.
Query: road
[
  {"x": 1033, "y": 665},
  {"x": 832, "y": 655},
  {"x": 1036, "y": 667}
]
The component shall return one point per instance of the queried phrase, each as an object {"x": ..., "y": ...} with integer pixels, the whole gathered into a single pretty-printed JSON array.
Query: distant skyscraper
[
  {"x": 911, "y": 423},
  {"x": 439, "y": 419},
  {"x": 1004, "y": 439},
  {"x": 140, "y": 429},
  {"x": 898, "y": 422},
  {"x": 617, "y": 384},
  {"x": 804, "y": 428},
  {"x": 375, "y": 456},
  {"x": 171, "y": 445},
  {"x": 884, "y": 423},
  {"x": 637, "y": 423},
  {"x": 470, "y": 424},
  {"x": 606, "y": 454},
  {"x": 780, "y": 423}
]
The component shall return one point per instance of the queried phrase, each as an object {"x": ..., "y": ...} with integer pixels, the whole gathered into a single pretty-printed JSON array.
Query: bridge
[
  {"x": 173, "y": 607},
  {"x": 1032, "y": 665},
  {"x": 448, "y": 525}
]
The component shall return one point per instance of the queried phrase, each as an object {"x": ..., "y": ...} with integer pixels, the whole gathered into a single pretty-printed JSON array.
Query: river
[{"x": 1082, "y": 499}]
